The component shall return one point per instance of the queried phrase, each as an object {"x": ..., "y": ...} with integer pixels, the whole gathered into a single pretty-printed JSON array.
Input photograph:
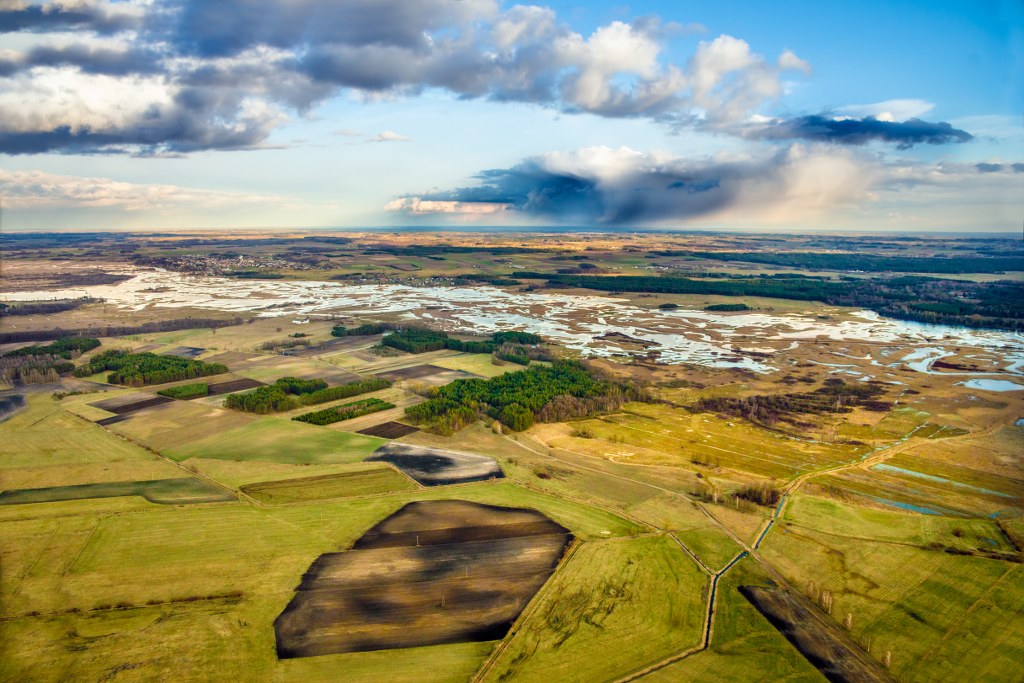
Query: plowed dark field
[
  {"x": 434, "y": 572},
  {"x": 389, "y": 430}
]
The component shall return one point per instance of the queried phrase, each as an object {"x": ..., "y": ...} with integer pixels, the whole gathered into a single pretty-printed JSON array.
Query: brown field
[
  {"x": 389, "y": 430},
  {"x": 423, "y": 577},
  {"x": 436, "y": 467},
  {"x": 834, "y": 659},
  {"x": 123, "y": 405},
  {"x": 415, "y": 372},
  {"x": 233, "y": 386},
  {"x": 185, "y": 352}
]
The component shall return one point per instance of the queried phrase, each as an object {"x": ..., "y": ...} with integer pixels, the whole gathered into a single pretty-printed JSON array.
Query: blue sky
[{"x": 297, "y": 113}]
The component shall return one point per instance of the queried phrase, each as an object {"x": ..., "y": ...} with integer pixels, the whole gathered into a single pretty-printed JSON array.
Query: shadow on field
[
  {"x": 435, "y": 467},
  {"x": 434, "y": 572}
]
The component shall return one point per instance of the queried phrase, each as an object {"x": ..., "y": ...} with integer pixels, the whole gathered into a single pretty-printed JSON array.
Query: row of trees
[
  {"x": 44, "y": 307},
  {"x": 998, "y": 304},
  {"x": 289, "y": 393},
  {"x": 118, "y": 330},
  {"x": 867, "y": 262},
  {"x": 67, "y": 348},
  {"x": 563, "y": 390},
  {"x": 142, "y": 369},
  {"x": 345, "y": 411},
  {"x": 185, "y": 392}
]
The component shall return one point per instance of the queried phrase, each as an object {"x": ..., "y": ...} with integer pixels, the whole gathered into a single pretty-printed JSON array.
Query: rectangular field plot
[
  {"x": 389, "y": 430},
  {"x": 234, "y": 385},
  {"x": 278, "y": 440},
  {"x": 163, "y": 491},
  {"x": 342, "y": 485},
  {"x": 184, "y": 352},
  {"x": 415, "y": 372},
  {"x": 123, "y": 405}
]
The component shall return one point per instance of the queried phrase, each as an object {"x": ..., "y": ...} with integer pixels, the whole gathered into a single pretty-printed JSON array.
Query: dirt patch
[
  {"x": 233, "y": 386},
  {"x": 415, "y": 372},
  {"x": 122, "y": 405},
  {"x": 834, "y": 659},
  {"x": 384, "y": 596},
  {"x": 185, "y": 352},
  {"x": 435, "y": 467},
  {"x": 112, "y": 420},
  {"x": 389, "y": 430}
]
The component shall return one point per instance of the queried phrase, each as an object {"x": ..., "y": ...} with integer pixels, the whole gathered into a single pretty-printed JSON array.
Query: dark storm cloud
[
  {"x": 985, "y": 167},
  {"x": 102, "y": 19},
  {"x": 645, "y": 194},
  {"x": 852, "y": 131},
  {"x": 88, "y": 59}
]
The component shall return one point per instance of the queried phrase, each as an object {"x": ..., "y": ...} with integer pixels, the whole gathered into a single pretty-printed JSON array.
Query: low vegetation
[{"x": 837, "y": 396}]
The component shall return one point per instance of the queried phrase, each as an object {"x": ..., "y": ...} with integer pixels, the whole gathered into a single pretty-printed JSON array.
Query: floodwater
[
  {"x": 992, "y": 385},
  {"x": 752, "y": 341}
]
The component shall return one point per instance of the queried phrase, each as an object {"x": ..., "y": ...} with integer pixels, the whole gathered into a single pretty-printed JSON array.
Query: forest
[
  {"x": 564, "y": 390},
  {"x": 998, "y": 304},
  {"x": 346, "y": 411},
  {"x": 867, "y": 263},
  {"x": 422, "y": 340},
  {"x": 289, "y": 393},
  {"x": 142, "y": 369},
  {"x": 44, "y": 363}
]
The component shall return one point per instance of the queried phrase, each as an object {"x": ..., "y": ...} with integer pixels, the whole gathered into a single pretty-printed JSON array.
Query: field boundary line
[{"x": 531, "y": 607}]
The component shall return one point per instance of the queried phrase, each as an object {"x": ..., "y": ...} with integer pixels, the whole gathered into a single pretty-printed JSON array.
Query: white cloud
[
  {"x": 389, "y": 136},
  {"x": 31, "y": 190},
  {"x": 890, "y": 110}
]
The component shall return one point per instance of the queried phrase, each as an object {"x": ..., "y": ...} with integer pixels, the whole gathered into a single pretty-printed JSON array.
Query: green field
[
  {"x": 919, "y": 604},
  {"x": 280, "y": 440},
  {"x": 344, "y": 485},
  {"x": 745, "y": 646},
  {"x": 163, "y": 491},
  {"x": 614, "y": 607}
]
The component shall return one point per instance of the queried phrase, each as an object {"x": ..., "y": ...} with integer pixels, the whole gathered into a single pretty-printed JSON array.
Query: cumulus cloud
[
  {"x": 389, "y": 136},
  {"x": 30, "y": 190},
  {"x": 222, "y": 75}
]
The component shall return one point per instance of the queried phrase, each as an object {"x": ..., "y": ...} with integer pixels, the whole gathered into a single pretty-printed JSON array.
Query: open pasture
[
  {"x": 614, "y": 607},
  {"x": 663, "y": 435},
  {"x": 943, "y": 616},
  {"x": 363, "y": 482}
]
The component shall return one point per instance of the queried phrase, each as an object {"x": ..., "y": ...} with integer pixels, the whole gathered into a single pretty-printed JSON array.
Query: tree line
[
  {"x": 44, "y": 307},
  {"x": 345, "y": 411},
  {"x": 289, "y": 393},
  {"x": 998, "y": 304},
  {"x": 117, "y": 330}
]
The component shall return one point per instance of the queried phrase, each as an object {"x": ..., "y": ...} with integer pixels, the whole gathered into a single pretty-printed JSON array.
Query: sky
[{"x": 792, "y": 115}]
